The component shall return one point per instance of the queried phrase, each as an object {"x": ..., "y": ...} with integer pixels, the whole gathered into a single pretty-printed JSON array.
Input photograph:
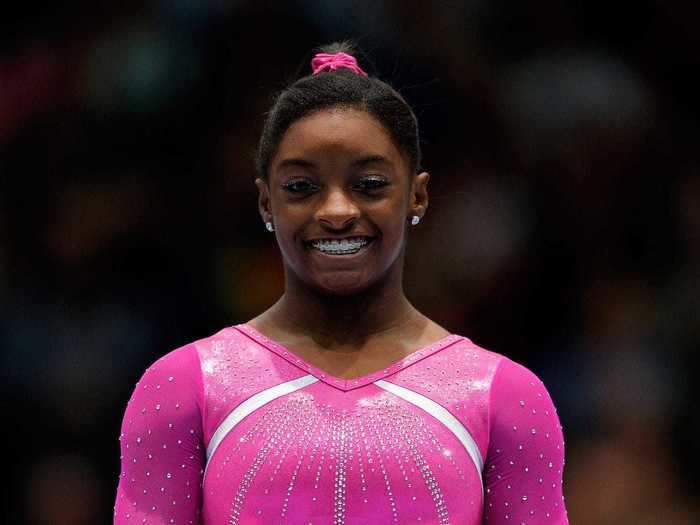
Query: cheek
[
  {"x": 394, "y": 230},
  {"x": 288, "y": 226},
  {"x": 286, "y": 233},
  {"x": 392, "y": 218},
  {"x": 287, "y": 215}
]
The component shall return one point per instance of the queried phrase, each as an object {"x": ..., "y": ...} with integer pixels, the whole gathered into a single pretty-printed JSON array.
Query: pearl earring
[
  {"x": 415, "y": 220},
  {"x": 269, "y": 227}
]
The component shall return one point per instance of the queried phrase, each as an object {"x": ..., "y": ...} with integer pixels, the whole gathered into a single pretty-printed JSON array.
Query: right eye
[{"x": 299, "y": 186}]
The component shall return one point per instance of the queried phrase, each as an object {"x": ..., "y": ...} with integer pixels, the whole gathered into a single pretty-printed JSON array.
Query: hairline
[{"x": 343, "y": 106}]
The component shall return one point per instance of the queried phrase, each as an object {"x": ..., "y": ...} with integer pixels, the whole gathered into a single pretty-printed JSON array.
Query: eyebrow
[
  {"x": 296, "y": 163},
  {"x": 358, "y": 163},
  {"x": 370, "y": 159}
]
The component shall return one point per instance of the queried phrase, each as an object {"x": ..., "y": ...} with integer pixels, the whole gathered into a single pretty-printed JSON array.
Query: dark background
[{"x": 563, "y": 230}]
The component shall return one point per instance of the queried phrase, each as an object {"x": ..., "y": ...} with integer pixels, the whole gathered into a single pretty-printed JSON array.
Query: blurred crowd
[{"x": 563, "y": 229}]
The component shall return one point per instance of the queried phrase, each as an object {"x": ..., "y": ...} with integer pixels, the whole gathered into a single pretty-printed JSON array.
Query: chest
[{"x": 319, "y": 455}]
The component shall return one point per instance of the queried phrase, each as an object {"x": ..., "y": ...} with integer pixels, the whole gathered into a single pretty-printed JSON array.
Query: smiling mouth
[{"x": 346, "y": 246}]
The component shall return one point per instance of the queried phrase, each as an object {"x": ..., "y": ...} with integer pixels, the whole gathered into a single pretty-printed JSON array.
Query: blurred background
[{"x": 563, "y": 231}]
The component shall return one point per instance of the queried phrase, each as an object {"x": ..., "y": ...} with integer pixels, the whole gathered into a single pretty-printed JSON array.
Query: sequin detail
[
  {"x": 365, "y": 449},
  {"x": 442, "y": 415},
  {"x": 252, "y": 404}
]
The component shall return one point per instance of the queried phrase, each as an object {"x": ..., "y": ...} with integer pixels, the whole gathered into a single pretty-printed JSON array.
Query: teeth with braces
[{"x": 342, "y": 247}]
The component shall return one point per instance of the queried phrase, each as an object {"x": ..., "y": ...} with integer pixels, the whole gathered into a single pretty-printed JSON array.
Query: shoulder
[
  {"x": 512, "y": 391},
  {"x": 191, "y": 357},
  {"x": 510, "y": 384},
  {"x": 464, "y": 359},
  {"x": 453, "y": 371},
  {"x": 501, "y": 371},
  {"x": 514, "y": 379},
  {"x": 502, "y": 385}
]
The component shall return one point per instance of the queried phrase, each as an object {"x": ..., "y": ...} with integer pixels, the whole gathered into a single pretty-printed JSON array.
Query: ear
[
  {"x": 264, "y": 207},
  {"x": 419, "y": 194}
]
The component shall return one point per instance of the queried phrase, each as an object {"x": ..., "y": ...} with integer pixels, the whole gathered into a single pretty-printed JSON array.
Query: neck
[{"x": 341, "y": 320}]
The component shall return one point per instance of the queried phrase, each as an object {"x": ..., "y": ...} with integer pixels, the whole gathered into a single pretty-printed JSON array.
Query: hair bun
[{"x": 334, "y": 61}]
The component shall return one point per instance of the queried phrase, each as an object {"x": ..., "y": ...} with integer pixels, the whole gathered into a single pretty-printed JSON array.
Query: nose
[{"x": 337, "y": 210}]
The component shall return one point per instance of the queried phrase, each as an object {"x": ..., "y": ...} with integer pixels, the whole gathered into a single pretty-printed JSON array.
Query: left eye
[{"x": 371, "y": 183}]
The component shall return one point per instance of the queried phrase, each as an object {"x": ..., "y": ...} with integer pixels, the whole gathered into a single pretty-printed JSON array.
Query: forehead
[{"x": 337, "y": 133}]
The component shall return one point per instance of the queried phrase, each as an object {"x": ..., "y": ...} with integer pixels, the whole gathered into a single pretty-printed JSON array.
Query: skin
[{"x": 337, "y": 174}]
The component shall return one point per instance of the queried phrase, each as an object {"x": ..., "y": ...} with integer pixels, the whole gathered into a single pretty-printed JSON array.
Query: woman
[{"x": 341, "y": 403}]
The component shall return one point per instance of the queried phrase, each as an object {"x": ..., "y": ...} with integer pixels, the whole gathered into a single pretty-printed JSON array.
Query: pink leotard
[{"x": 236, "y": 429}]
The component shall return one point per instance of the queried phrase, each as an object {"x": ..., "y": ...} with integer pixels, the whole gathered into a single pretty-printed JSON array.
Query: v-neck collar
[{"x": 355, "y": 382}]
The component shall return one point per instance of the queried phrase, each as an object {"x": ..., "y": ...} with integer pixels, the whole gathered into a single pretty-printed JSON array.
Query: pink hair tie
[{"x": 327, "y": 62}]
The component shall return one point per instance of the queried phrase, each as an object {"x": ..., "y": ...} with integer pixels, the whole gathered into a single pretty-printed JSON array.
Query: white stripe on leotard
[
  {"x": 250, "y": 405},
  {"x": 441, "y": 414}
]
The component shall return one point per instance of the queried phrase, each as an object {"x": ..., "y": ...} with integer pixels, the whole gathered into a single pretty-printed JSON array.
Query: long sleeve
[
  {"x": 161, "y": 445},
  {"x": 525, "y": 459}
]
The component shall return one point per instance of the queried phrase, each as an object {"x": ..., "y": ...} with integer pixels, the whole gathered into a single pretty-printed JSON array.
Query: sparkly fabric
[{"x": 452, "y": 434}]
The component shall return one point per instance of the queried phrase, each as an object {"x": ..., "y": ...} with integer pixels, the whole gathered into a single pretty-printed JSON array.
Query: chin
[
  {"x": 341, "y": 287},
  {"x": 341, "y": 284}
]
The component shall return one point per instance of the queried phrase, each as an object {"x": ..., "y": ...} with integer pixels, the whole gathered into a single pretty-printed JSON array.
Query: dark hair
[{"x": 340, "y": 88}]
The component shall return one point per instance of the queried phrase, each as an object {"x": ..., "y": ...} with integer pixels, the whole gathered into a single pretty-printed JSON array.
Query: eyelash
[
  {"x": 292, "y": 186},
  {"x": 368, "y": 184},
  {"x": 372, "y": 183}
]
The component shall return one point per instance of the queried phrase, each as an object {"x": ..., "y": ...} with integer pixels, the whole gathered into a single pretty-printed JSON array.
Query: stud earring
[
  {"x": 415, "y": 220},
  {"x": 269, "y": 227}
]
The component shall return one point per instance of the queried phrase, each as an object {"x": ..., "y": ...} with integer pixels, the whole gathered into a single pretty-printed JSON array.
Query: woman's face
[{"x": 340, "y": 195}]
